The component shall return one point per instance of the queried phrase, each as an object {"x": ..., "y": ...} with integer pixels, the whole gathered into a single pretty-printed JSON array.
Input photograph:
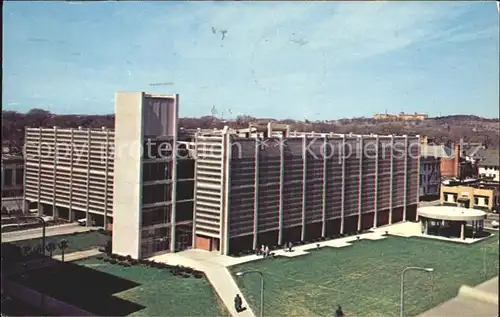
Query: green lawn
[
  {"x": 107, "y": 289},
  {"x": 79, "y": 241},
  {"x": 365, "y": 278},
  {"x": 161, "y": 293}
]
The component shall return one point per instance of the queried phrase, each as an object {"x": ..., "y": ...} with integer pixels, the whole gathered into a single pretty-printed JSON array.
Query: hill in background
[{"x": 441, "y": 129}]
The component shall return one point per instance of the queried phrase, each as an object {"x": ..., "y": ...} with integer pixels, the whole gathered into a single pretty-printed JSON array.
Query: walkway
[
  {"x": 45, "y": 262},
  {"x": 215, "y": 266},
  {"x": 74, "y": 256},
  {"x": 49, "y": 231},
  {"x": 217, "y": 274}
]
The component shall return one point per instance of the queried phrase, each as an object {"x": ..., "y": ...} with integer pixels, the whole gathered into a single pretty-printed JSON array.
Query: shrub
[
  {"x": 113, "y": 261},
  {"x": 113, "y": 256},
  {"x": 99, "y": 257},
  {"x": 106, "y": 259}
]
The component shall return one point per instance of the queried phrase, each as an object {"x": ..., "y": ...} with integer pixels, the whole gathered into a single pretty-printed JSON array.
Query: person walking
[{"x": 266, "y": 251}]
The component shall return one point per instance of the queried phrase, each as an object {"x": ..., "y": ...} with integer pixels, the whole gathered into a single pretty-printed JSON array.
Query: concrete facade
[
  {"x": 154, "y": 177},
  {"x": 126, "y": 179},
  {"x": 69, "y": 173},
  {"x": 12, "y": 175},
  {"x": 271, "y": 188}
]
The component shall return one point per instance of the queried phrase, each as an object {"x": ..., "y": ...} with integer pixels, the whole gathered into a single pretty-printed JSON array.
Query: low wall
[{"x": 43, "y": 302}]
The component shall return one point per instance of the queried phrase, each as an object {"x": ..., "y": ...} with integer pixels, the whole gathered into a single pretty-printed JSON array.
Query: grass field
[
  {"x": 79, "y": 241},
  {"x": 112, "y": 290},
  {"x": 365, "y": 278}
]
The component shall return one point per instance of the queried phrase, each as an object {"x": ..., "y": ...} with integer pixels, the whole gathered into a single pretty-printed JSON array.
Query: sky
[{"x": 283, "y": 60}]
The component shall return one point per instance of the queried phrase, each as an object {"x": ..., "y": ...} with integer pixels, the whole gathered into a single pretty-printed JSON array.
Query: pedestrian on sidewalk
[
  {"x": 238, "y": 303},
  {"x": 266, "y": 251}
]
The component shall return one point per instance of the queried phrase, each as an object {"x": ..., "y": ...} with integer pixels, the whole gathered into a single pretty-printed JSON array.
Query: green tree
[
  {"x": 63, "y": 245},
  {"x": 51, "y": 247}
]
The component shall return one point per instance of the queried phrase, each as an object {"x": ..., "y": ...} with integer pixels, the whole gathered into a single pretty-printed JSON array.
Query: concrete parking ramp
[{"x": 479, "y": 301}]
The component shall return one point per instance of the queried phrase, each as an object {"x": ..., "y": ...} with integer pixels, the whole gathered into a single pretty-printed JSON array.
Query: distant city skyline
[{"x": 314, "y": 60}]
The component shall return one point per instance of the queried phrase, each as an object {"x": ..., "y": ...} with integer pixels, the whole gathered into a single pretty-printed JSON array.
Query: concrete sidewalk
[
  {"x": 217, "y": 274},
  {"x": 49, "y": 231},
  {"x": 74, "y": 256}
]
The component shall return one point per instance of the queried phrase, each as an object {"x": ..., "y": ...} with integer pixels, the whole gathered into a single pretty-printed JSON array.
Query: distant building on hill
[{"x": 400, "y": 116}]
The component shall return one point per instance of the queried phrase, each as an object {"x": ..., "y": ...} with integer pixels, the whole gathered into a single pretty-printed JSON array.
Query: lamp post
[
  {"x": 241, "y": 273},
  {"x": 415, "y": 268}
]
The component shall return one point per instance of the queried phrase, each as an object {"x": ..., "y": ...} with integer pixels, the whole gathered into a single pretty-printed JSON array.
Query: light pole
[
  {"x": 415, "y": 268},
  {"x": 241, "y": 273}
]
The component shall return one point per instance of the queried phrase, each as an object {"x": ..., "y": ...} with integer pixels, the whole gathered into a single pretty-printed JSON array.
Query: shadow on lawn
[{"x": 74, "y": 284}]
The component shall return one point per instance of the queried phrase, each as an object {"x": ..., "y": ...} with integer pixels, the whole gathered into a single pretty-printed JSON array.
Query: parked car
[{"x": 82, "y": 222}]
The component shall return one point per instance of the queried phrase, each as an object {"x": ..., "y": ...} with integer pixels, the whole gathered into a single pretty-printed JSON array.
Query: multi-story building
[
  {"x": 262, "y": 187},
  {"x": 154, "y": 207},
  {"x": 430, "y": 177},
  {"x": 121, "y": 179},
  {"x": 12, "y": 175},
  {"x": 489, "y": 165},
  {"x": 472, "y": 195},
  {"x": 69, "y": 173}
]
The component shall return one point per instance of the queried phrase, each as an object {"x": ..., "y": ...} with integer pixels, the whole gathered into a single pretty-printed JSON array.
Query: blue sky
[{"x": 314, "y": 60}]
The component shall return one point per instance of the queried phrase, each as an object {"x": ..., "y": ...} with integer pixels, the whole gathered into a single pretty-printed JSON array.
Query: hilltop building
[{"x": 401, "y": 116}]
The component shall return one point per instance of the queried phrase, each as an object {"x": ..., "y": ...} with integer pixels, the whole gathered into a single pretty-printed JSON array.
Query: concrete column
[
  {"x": 392, "y": 180},
  {"x": 376, "y": 184},
  {"x": 325, "y": 182},
  {"x": 14, "y": 177},
  {"x": 39, "y": 169},
  {"x": 256, "y": 197},
  {"x": 304, "y": 186},
  {"x": 106, "y": 185},
  {"x": 195, "y": 188},
  {"x": 40, "y": 209},
  {"x": 3, "y": 177},
  {"x": 282, "y": 185},
  {"x": 87, "y": 214},
  {"x": 227, "y": 181},
  {"x": 70, "y": 211},
  {"x": 173, "y": 216},
  {"x": 405, "y": 186},
  {"x": 462, "y": 231},
  {"x": 55, "y": 212},
  {"x": 426, "y": 226},
  {"x": 343, "y": 186},
  {"x": 360, "y": 185}
]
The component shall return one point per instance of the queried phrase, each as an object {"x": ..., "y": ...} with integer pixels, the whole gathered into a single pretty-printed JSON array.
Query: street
[
  {"x": 12, "y": 202},
  {"x": 49, "y": 231},
  {"x": 491, "y": 217}
]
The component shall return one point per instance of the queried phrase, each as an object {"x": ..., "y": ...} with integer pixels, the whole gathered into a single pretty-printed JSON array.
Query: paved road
[
  {"x": 489, "y": 220},
  {"x": 428, "y": 203},
  {"x": 49, "y": 231},
  {"x": 13, "y": 202}
]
